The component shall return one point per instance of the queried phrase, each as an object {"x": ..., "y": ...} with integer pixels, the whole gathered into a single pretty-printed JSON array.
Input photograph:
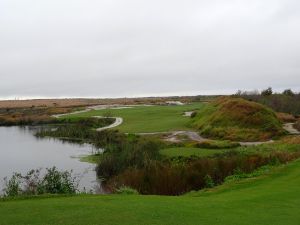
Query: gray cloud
[{"x": 131, "y": 48}]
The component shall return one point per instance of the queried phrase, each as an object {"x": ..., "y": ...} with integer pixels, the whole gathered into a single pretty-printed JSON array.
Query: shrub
[
  {"x": 12, "y": 187},
  {"x": 126, "y": 191},
  {"x": 52, "y": 182},
  {"x": 57, "y": 182},
  {"x": 194, "y": 114},
  {"x": 209, "y": 183}
]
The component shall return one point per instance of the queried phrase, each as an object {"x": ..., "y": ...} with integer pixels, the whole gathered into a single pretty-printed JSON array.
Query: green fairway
[
  {"x": 186, "y": 152},
  {"x": 269, "y": 200},
  {"x": 141, "y": 119}
]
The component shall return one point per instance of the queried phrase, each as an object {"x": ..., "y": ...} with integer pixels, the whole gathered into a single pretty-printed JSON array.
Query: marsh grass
[{"x": 163, "y": 178}]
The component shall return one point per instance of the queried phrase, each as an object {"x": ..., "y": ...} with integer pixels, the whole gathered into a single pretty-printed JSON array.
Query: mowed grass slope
[
  {"x": 270, "y": 200},
  {"x": 141, "y": 119}
]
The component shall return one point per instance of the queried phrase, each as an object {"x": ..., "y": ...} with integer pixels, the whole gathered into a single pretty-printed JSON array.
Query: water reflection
[{"x": 21, "y": 151}]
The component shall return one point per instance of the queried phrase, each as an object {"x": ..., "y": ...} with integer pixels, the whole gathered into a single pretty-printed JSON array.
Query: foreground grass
[
  {"x": 273, "y": 199},
  {"x": 141, "y": 119}
]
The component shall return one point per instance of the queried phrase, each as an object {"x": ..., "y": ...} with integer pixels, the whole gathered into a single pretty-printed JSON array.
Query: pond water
[{"x": 21, "y": 151}]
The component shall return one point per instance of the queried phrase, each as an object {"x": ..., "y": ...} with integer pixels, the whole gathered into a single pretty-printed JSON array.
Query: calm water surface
[{"x": 21, "y": 151}]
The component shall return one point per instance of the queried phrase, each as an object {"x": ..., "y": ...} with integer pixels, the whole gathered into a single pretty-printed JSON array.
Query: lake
[{"x": 21, "y": 151}]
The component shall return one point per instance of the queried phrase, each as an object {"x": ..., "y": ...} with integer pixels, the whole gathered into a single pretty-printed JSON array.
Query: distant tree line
[{"x": 287, "y": 101}]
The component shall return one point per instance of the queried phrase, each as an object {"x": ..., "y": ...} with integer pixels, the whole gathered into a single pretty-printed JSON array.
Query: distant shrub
[
  {"x": 278, "y": 102},
  {"x": 193, "y": 114},
  {"x": 267, "y": 92},
  {"x": 288, "y": 92}
]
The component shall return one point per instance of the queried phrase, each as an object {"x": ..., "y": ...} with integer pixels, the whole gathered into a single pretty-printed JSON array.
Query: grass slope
[
  {"x": 269, "y": 200},
  {"x": 238, "y": 119},
  {"x": 147, "y": 118}
]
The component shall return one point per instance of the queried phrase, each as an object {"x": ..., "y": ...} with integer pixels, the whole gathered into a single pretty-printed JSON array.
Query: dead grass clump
[{"x": 285, "y": 117}]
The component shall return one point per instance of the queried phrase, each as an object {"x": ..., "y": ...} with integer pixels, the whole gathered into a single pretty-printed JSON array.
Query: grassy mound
[{"x": 238, "y": 120}]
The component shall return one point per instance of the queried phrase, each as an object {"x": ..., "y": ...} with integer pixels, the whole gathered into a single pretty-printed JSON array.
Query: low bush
[
  {"x": 126, "y": 191},
  {"x": 33, "y": 183}
]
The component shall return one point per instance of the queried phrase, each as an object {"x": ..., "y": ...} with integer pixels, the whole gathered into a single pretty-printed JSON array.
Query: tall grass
[{"x": 163, "y": 178}]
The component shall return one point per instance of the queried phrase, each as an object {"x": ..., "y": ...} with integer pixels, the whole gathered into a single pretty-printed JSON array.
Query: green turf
[
  {"x": 271, "y": 200},
  {"x": 186, "y": 152},
  {"x": 147, "y": 118}
]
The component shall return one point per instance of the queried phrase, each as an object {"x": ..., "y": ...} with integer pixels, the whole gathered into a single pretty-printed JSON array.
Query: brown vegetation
[
  {"x": 176, "y": 179},
  {"x": 73, "y": 102},
  {"x": 28, "y": 116},
  {"x": 291, "y": 140},
  {"x": 286, "y": 117}
]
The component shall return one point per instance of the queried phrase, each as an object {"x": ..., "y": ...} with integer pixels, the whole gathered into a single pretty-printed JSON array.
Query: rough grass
[
  {"x": 141, "y": 119},
  {"x": 285, "y": 117},
  {"x": 187, "y": 152},
  {"x": 271, "y": 199},
  {"x": 286, "y": 144},
  {"x": 238, "y": 120}
]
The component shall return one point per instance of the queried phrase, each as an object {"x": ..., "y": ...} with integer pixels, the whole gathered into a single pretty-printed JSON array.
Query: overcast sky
[{"x": 111, "y": 48}]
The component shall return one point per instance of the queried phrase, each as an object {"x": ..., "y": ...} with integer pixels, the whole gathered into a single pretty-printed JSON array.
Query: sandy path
[
  {"x": 118, "y": 121},
  {"x": 192, "y": 135},
  {"x": 289, "y": 127}
]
